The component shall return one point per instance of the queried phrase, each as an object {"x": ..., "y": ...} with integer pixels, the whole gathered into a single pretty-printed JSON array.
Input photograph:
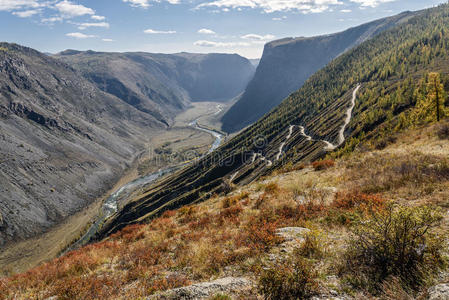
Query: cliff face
[
  {"x": 286, "y": 64},
  {"x": 163, "y": 84},
  {"x": 63, "y": 141}
]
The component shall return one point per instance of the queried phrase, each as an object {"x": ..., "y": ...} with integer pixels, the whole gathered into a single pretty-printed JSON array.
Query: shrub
[
  {"x": 383, "y": 142},
  {"x": 395, "y": 242},
  {"x": 443, "y": 131},
  {"x": 358, "y": 200},
  {"x": 169, "y": 214},
  {"x": 220, "y": 297},
  {"x": 271, "y": 188},
  {"x": 295, "y": 280},
  {"x": 323, "y": 164},
  {"x": 313, "y": 246},
  {"x": 228, "y": 202},
  {"x": 259, "y": 235}
]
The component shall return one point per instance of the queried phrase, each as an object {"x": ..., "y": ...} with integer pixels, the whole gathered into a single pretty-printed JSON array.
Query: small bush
[
  {"x": 323, "y": 164},
  {"x": 358, "y": 200},
  {"x": 294, "y": 280},
  {"x": 313, "y": 246},
  {"x": 259, "y": 235},
  {"x": 395, "y": 242},
  {"x": 220, "y": 297},
  {"x": 271, "y": 188},
  {"x": 443, "y": 131},
  {"x": 230, "y": 201},
  {"x": 383, "y": 142}
]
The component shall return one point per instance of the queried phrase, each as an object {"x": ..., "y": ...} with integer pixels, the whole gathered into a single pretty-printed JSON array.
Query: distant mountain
[
  {"x": 163, "y": 84},
  {"x": 63, "y": 141},
  {"x": 287, "y": 63},
  {"x": 255, "y": 61}
]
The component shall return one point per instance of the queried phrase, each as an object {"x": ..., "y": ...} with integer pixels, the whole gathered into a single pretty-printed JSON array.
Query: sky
[{"x": 171, "y": 26}]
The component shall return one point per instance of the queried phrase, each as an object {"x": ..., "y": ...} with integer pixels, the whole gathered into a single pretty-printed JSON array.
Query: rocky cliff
[{"x": 286, "y": 64}]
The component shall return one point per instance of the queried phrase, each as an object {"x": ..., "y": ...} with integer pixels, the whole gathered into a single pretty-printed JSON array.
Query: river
[{"x": 110, "y": 206}]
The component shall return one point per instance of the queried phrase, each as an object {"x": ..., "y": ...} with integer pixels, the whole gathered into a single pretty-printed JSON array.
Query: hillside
[
  {"x": 63, "y": 142},
  {"x": 394, "y": 71},
  {"x": 286, "y": 64},
  {"x": 163, "y": 84},
  {"x": 243, "y": 245}
]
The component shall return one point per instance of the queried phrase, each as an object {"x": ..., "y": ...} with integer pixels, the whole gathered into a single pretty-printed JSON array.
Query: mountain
[
  {"x": 163, "y": 84},
  {"x": 369, "y": 219},
  {"x": 63, "y": 142},
  {"x": 255, "y": 61},
  {"x": 287, "y": 63},
  {"x": 365, "y": 95}
]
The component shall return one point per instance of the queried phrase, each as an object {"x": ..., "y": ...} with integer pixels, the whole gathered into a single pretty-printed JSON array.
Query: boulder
[
  {"x": 204, "y": 290},
  {"x": 439, "y": 292}
]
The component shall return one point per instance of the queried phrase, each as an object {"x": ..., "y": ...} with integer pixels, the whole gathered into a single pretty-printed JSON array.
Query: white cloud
[
  {"x": 146, "y": 3},
  {"x": 69, "y": 9},
  {"x": 9, "y": 5},
  {"x": 256, "y": 37},
  {"x": 108, "y": 40},
  {"x": 346, "y": 11},
  {"x": 26, "y": 13},
  {"x": 52, "y": 19},
  {"x": 211, "y": 44},
  {"x": 206, "y": 31},
  {"x": 370, "y": 3},
  {"x": 79, "y": 35},
  {"x": 83, "y": 26},
  {"x": 152, "y": 31},
  {"x": 269, "y": 6},
  {"x": 98, "y": 18},
  {"x": 279, "y": 19}
]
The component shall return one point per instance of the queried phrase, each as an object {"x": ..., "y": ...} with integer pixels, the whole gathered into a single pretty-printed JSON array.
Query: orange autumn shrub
[
  {"x": 323, "y": 164},
  {"x": 358, "y": 200}
]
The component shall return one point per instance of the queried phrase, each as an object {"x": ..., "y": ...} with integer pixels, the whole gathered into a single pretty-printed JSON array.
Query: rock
[
  {"x": 292, "y": 233},
  {"x": 203, "y": 290},
  {"x": 326, "y": 298},
  {"x": 439, "y": 292}
]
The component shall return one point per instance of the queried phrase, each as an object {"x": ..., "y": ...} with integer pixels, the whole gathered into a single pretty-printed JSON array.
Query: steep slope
[
  {"x": 220, "y": 246},
  {"x": 63, "y": 142},
  {"x": 163, "y": 84},
  {"x": 286, "y": 64},
  {"x": 391, "y": 70}
]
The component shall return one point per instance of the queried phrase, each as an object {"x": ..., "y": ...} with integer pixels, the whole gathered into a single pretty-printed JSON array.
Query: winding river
[{"x": 109, "y": 206}]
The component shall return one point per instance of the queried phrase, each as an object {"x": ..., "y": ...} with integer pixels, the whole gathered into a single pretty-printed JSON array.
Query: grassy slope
[
  {"x": 234, "y": 235},
  {"x": 390, "y": 64}
]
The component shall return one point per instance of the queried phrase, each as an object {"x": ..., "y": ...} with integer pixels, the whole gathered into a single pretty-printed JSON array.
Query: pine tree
[{"x": 435, "y": 93}]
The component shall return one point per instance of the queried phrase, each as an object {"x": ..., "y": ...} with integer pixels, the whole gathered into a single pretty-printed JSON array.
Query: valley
[
  {"x": 320, "y": 171},
  {"x": 73, "y": 233}
]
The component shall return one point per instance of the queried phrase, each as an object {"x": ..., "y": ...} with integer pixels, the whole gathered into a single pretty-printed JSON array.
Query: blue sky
[{"x": 169, "y": 26}]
